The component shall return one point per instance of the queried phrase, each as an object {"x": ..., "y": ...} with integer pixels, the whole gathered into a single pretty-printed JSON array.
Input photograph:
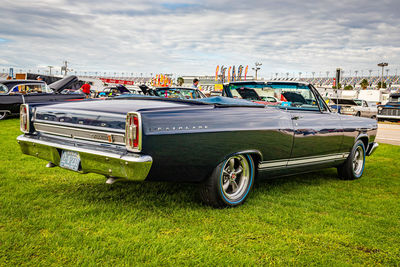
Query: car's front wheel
[
  {"x": 353, "y": 167},
  {"x": 230, "y": 182}
]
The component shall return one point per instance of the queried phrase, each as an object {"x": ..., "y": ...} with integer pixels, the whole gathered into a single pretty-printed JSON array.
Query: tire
[
  {"x": 358, "y": 114},
  {"x": 229, "y": 183},
  {"x": 353, "y": 167},
  {"x": 3, "y": 115}
]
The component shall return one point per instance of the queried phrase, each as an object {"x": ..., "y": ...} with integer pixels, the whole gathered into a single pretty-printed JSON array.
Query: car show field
[{"x": 57, "y": 217}]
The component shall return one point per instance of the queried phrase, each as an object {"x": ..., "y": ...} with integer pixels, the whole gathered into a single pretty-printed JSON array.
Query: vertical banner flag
[
  {"x": 223, "y": 69},
  {"x": 240, "y": 70},
  {"x": 233, "y": 74},
  {"x": 229, "y": 74},
  {"x": 216, "y": 73},
  {"x": 245, "y": 72}
]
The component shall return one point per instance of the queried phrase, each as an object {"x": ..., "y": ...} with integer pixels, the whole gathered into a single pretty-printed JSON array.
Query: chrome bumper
[
  {"x": 371, "y": 148},
  {"x": 388, "y": 117},
  {"x": 129, "y": 166}
]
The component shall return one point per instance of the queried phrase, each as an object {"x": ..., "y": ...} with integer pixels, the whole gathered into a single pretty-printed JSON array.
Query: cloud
[{"x": 192, "y": 37}]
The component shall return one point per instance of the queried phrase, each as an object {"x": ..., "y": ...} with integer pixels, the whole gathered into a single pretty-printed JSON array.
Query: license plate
[{"x": 70, "y": 160}]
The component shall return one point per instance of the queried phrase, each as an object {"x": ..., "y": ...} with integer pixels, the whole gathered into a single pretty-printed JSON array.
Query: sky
[{"x": 193, "y": 37}]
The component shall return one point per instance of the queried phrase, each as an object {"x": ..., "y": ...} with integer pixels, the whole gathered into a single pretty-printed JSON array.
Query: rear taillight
[
  {"x": 133, "y": 132},
  {"x": 24, "y": 118}
]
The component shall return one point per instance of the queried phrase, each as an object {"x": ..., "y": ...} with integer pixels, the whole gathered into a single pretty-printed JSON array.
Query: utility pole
[
  {"x": 257, "y": 68},
  {"x": 65, "y": 68},
  {"x": 50, "y": 67},
  {"x": 382, "y": 65}
]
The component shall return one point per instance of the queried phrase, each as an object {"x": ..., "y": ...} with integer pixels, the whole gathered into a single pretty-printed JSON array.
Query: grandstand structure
[
  {"x": 208, "y": 81},
  {"x": 391, "y": 81}
]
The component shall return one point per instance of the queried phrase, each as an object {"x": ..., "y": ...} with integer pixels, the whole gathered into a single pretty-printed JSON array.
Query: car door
[
  {"x": 35, "y": 93},
  {"x": 318, "y": 133}
]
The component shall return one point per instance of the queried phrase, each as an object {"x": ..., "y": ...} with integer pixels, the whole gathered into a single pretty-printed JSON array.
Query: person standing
[
  {"x": 86, "y": 89},
  {"x": 196, "y": 83}
]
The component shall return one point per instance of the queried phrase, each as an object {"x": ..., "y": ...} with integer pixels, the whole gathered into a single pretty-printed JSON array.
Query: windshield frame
[{"x": 196, "y": 91}]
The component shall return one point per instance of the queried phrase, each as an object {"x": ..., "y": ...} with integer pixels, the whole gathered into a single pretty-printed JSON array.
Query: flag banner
[
  {"x": 233, "y": 74},
  {"x": 245, "y": 72},
  {"x": 216, "y": 73},
  {"x": 124, "y": 82},
  {"x": 223, "y": 70},
  {"x": 240, "y": 70},
  {"x": 229, "y": 74}
]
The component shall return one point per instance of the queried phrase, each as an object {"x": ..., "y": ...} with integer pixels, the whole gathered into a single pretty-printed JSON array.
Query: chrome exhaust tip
[{"x": 50, "y": 165}]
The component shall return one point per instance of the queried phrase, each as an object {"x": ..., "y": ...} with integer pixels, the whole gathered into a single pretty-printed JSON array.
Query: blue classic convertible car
[{"x": 221, "y": 143}]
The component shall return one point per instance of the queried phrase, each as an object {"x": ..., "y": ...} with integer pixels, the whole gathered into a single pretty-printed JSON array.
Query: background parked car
[
  {"x": 391, "y": 110},
  {"x": 13, "y": 93}
]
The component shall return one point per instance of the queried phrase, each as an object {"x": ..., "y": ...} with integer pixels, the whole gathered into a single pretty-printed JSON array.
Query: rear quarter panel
[{"x": 186, "y": 145}]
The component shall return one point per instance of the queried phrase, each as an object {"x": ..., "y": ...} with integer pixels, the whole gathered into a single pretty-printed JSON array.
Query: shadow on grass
[{"x": 182, "y": 195}]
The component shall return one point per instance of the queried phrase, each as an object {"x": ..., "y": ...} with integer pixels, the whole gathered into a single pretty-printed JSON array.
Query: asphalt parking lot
[{"x": 388, "y": 133}]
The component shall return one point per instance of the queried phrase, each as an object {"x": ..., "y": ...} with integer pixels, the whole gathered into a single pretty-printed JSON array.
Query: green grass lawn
[{"x": 56, "y": 217}]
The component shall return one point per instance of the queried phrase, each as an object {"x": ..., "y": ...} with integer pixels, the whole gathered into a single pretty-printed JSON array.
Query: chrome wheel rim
[
  {"x": 358, "y": 160},
  {"x": 235, "y": 177}
]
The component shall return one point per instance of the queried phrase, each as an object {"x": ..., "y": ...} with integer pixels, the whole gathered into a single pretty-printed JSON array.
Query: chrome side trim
[
  {"x": 302, "y": 161},
  {"x": 121, "y": 165},
  {"x": 79, "y": 133},
  {"x": 6, "y": 111},
  {"x": 273, "y": 164}
]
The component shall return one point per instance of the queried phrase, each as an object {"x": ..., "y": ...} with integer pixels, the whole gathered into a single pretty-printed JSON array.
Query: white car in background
[
  {"x": 366, "y": 109},
  {"x": 356, "y": 107}
]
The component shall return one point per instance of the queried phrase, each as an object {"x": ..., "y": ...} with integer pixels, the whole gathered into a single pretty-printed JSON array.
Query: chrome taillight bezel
[
  {"x": 24, "y": 122},
  {"x": 137, "y": 132}
]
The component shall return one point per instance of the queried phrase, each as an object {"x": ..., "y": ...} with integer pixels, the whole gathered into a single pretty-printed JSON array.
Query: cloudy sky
[{"x": 192, "y": 37}]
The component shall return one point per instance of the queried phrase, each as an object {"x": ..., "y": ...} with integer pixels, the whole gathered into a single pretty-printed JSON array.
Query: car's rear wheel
[
  {"x": 358, "y": 114},
  {"x": 353, "y": 167},
  {"x": 3, "y": 115},
  {"x": 229, "y": 183}
]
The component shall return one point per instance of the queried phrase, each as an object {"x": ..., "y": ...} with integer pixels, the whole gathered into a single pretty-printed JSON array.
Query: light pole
[
  {"x": 370, "y": 72},
  {"x": 313, "y": 73},
  {"x": 257, "y": 68},
  {"x": 382, "y": 65},
  {"x": 300, "y": 75},
  {"x": 50, "y": 67},
  {"x": 287, "y": 75}
]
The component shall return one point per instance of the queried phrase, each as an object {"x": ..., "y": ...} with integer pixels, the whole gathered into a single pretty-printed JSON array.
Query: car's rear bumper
[
  {"x": 371, "y": 148},
  {"x": 130, "y": 166}
]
